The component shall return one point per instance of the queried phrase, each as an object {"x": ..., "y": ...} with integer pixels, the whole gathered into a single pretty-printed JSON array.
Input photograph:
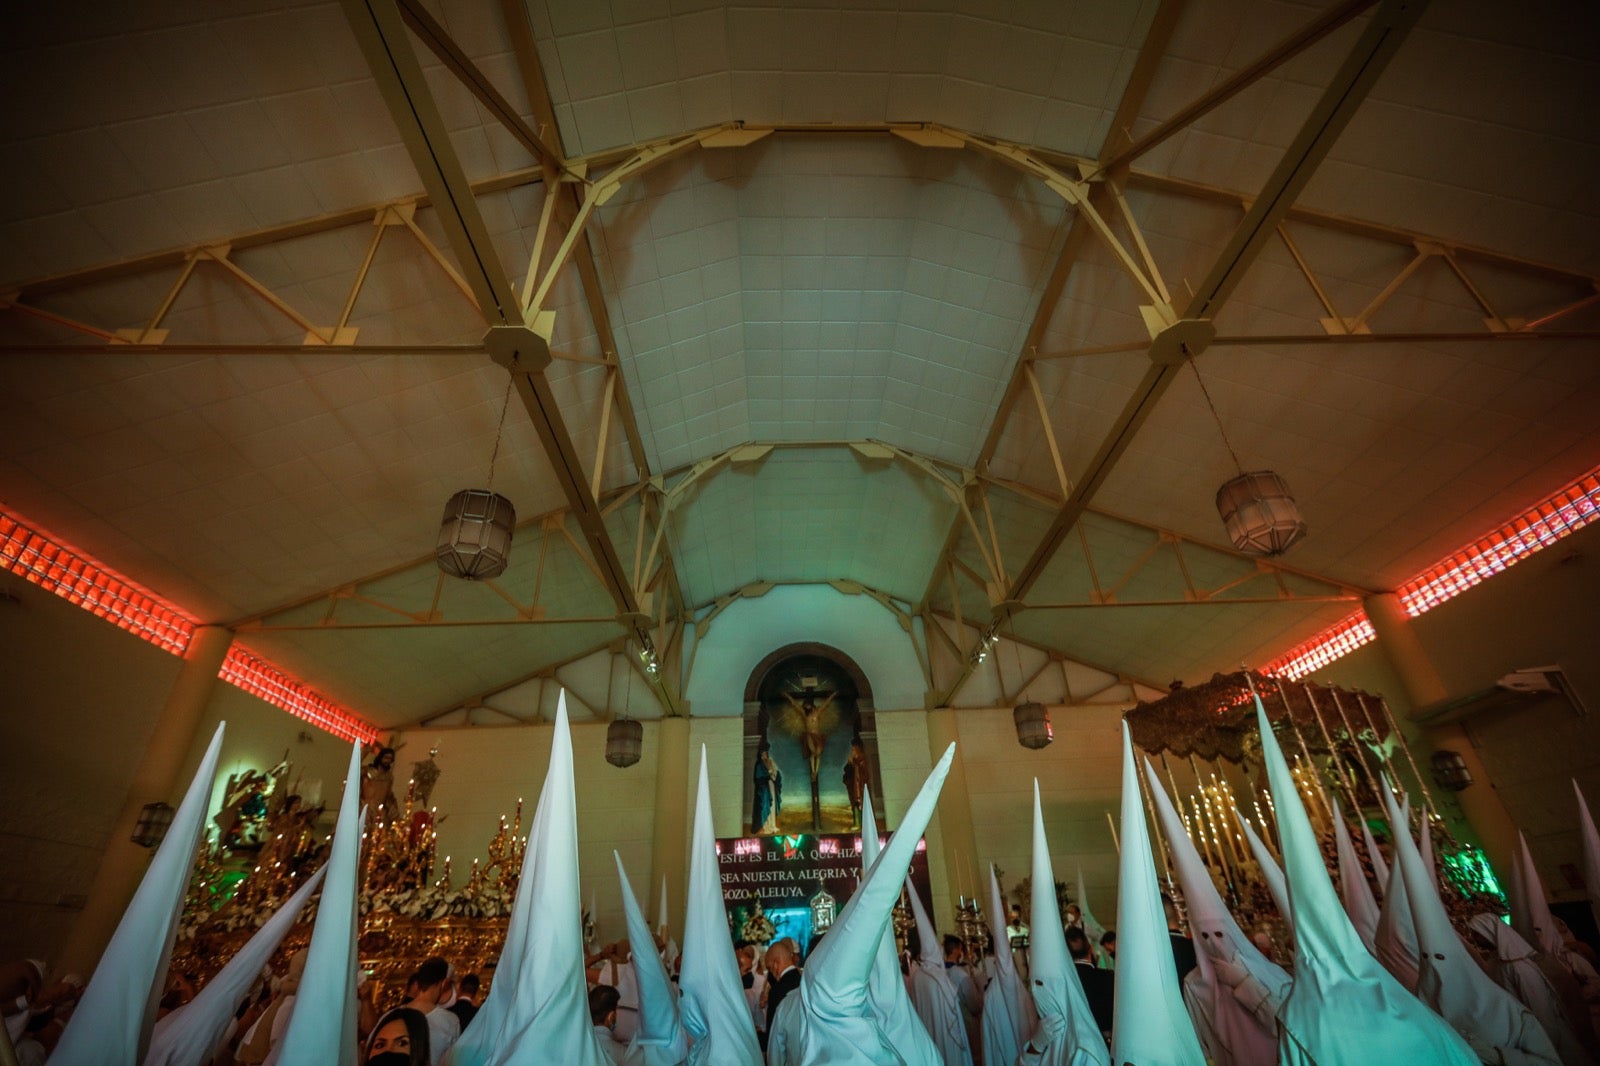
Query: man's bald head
[{"x": 780, "y": 956}]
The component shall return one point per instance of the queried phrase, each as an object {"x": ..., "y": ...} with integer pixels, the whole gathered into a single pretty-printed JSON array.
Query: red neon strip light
[
  {"x": 260, "y": 678},
  {"x": 75, "y": 578},
  {"x": 1335, "y": 642},
  {"x": 1535, "y": 529},
  {"x": 56, "y": 568}
]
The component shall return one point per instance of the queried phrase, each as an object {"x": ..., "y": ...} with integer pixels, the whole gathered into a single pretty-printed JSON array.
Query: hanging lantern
[
  {"x": 1260, "y": 515},
  {"x": 154, "y": 821},
  {"x": 475, "y": 535},
  {"x": 1033, "y": 725},
  {"x": 624, "y": 741},
  {"x": 1450, "y": 770}
]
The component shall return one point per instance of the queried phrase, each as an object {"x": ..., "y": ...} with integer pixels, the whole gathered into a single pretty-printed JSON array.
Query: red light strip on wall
[
  {"x": 56, "y": 568},
  {"x": 1535, "y": 529},
  {"x": 260, "y": 678},
  {"x": 75, "y": 578},
  {"x": 1335, "y": 642}
]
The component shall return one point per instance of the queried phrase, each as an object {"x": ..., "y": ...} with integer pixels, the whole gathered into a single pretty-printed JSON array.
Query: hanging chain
[
  {"x": 1237, "y": 465},
  {"x": 499, "y": 432}
]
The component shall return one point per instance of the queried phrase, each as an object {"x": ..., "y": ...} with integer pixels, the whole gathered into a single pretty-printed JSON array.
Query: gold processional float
[{"x": 1202, "y": 740}]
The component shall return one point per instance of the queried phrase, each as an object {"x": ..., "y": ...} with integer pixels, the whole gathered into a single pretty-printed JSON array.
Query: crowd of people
[{"x": 1357, "y": 982}]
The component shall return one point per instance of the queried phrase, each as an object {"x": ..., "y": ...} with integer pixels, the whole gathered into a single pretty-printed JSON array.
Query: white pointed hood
[
  {"x": 830, "y": 1020},
  {"x": 1343, "y": 1004},
  {"x": 1009, "y": 1017},
  {"x": 322, "y": 1026},
  {"x": 1530, "y": 907},
  {"x": 1591, "y": 848},
  {"x": 189, "y": 1035},
  {"x": 1359, "y": 903},
  {"x": 933, "y": 995},
  {"x": 113, "y": 1020},
  {"x": 1066, "y": 1032},
  {"x": 714, "y": 1009},
  {"x": 1091, "y": 925},
  {"x": 1231, "y": 1033},
  {"x": 547, "y": 1019},
  {"x": 1425, "y": 848},
  {"x": 886, "y": 987},
  {"x": 488, "y": 1026},
  {"x": 932, "y": 954},
  {"x": 1453, "y": 983},
  {"x": 660, "y": 1039},
  {"x": 1395, "y": 942},
  {"x": 1271, "y": 872},
  {"x": 1380, "y": 867},
  {"x": 1150, "y": 1024}
]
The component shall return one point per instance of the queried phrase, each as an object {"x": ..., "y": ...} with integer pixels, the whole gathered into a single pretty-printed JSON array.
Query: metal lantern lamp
[
  {"x": 1259, "y": 513},
  {"x": 475, "y": 533},
  {"x": 1033, "y": 725},
  {"x": 154, "y": 821},
  {"x": 624, "y": 741},
  {"x": 624, "y": 736},
  {"x": 1257, "y": 509},
  {"x": 1450, "y": 770}
]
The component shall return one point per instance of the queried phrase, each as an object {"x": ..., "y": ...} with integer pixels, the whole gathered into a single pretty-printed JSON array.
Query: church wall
[
  {"x": 1080, "y": 779},
  {"x": 1541, "y": 612},
  {"x": 80, "y": 699}
]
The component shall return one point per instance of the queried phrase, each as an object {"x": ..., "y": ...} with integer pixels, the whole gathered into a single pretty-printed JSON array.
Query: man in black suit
[
  {"x": 1099, "y": 986},
  {"x": 1182, "y": 947},
  {"x": 783, "y": 977},
  {"x": 466, "y": 1004}
]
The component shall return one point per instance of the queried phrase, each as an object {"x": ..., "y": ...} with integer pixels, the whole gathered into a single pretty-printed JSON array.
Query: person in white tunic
[
  {"x": 1234, "y": 992},
  {"x": 1344, "y": 1009},
  {"x": 933, "y": 994},
  {"x": 1009, "y": 1017},
  {"x": 660, "y": 1039},
  {"x": 1359, "y": 902},
  {"x": 1067, "y": 1034},
  {"x": 829, "y": 1018},
  {"x": 1511, "y": 964},
  {"x": 1150, "y": 1025},
  {"x": 1499, "y": 1028}
]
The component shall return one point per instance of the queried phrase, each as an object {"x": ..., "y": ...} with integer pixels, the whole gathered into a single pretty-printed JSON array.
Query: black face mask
[
  {"x": 749, "y": 980},
  {"x": 390, "y": 1058}
]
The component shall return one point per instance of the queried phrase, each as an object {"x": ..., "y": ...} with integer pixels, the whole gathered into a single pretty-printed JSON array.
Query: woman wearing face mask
[{"x": 399, "y": 1039}]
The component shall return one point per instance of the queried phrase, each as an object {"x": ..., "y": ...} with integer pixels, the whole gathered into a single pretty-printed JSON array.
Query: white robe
[
  {"x": 936, "y": 1003},
  {"x": 1008, "y": 1018},
  {"x": 1512, "y": 964}
]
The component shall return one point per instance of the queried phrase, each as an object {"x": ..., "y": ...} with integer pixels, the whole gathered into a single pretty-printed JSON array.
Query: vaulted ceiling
[{"x": 916, "y": 301}]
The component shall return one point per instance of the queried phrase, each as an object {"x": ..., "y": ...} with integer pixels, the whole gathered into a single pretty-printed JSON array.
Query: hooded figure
[
  {"x": 1425, "y": 848},
  {"x": 1359, "y": 902},
  {"x": 1091, "y": 927},
  {"x": 714, "y": 1009},
  {"x": 828, "y": 1020},
  {"x": 189, "y": 1035},
  {"x": 1009, "y": 1017},
  {"x": 1343, "y": 1008},
  {"x": 1511, "y": 963},
  {"x": 1530, "y": 916},
  {"x": 886, "y": 988},
  {"x": 1271, "y": 872},
  {"x": 1066, "y": 1034},
  {"x": 322, "y": 1024},
  {"x": 113, "y": 1020},
  {"x": 546, "y": 1016},
  {"x": 1499, "y": 1028},
  {"x": 1395, "y": 942},
  {"x": 1380, "y": 868},
  {"x": 1233, "y": 992},
  {"x": 1591, "y": 850},
  {"x": 1150, "y": 1025},
  {"x": 932, "y": 994},
  {"x": 660, "y": 1039}
]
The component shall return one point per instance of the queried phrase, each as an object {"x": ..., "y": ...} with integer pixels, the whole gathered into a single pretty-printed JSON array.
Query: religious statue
[
  {"x": 244, "y": 810},
  {"x": 377, "y": 786},
  {"x": 758, "y": 928},
  {"x": 857, "y": 776},
  {"x": 424, "y": 775},
  {"x": 768, "y": 793},
  {"x": 811, "y": 722}
]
